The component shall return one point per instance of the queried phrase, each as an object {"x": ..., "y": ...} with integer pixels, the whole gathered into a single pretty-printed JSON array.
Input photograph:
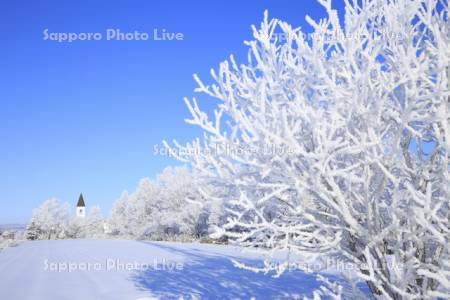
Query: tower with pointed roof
[{"x": 81, "y": 208}]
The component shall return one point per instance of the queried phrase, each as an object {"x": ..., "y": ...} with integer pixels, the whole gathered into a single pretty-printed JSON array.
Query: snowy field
[{"x": 97, "y": 269}]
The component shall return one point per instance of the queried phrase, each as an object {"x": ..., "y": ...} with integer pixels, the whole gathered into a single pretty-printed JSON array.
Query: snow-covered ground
[{"x": 121, "y": 269}]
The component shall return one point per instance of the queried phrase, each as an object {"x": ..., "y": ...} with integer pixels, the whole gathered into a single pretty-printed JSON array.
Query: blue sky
[{"x": 85, "y": 116}]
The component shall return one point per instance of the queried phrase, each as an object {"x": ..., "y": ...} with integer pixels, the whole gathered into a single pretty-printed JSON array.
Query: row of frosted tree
[
  {"x": 54, "y": 220},
  {"x": 171, "y": 207}
]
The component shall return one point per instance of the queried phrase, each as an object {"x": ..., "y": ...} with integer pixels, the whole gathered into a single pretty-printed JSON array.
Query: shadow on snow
[{"x": 210, "y": 276}]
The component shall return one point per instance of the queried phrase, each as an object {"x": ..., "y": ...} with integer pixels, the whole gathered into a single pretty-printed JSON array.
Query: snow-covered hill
[
  {"x": 119, "y": 269},
  {"x": 12, "y": 227}
]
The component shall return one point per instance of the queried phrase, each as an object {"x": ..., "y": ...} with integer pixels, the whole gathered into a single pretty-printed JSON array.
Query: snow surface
[{"x": 40, "y": 270}]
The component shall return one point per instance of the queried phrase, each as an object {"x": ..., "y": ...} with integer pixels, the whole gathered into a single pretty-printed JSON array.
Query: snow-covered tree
[
  {"x": 142, "y": 208},
  {"x": 338, "y": 143},
  {"x": 76, "y": 228},
  {"x": 49, "y": 221},
  {"x": 91, "y": 227},
  {"x": 117, "y": 218},
  {"x": 168, "y": 206},
  {"x": 32, "y": 232},
  {"x": 94, "y": 223},
  {"x": 180, "y": 208}
]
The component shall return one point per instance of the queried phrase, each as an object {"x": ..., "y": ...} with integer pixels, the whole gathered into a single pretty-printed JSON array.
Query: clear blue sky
[{"x": 84, "y": 116}]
